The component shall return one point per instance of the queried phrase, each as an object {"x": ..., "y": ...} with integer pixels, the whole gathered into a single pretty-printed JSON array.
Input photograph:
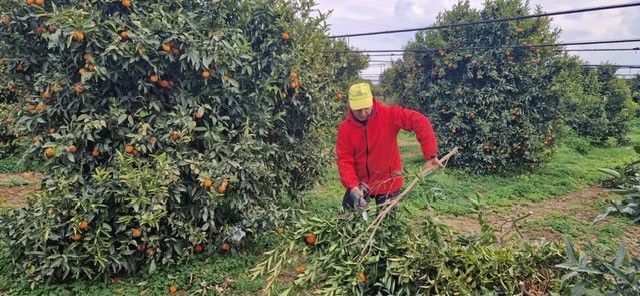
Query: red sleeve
[
  {"x": 346, "y": 160},
  {"x": 416, "y": 122}
]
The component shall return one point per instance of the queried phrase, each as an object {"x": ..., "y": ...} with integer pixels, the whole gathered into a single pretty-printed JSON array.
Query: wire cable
[
  {"x": 492, "y": 47},
  {"x": 572, "y": 11}
]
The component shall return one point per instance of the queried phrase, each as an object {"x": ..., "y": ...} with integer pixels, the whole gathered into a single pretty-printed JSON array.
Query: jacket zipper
[{"x": 366, "y": 159}]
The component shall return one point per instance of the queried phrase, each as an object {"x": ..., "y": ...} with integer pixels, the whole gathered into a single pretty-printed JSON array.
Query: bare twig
[
  {"x": 514, "y": 225},
  {"x": 391, "y": 204}
]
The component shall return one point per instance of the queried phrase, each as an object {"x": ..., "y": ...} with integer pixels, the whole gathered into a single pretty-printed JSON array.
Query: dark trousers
[{"x": 349, "y": 203}]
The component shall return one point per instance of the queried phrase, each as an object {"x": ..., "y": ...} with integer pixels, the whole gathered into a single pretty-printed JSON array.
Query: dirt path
[
  {"x": 15, "y": 188},
  {"x": 581, "y": 207}
]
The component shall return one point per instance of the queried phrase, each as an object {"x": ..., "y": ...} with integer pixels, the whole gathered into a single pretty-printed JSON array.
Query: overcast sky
[{"x": 360, "y": 16}]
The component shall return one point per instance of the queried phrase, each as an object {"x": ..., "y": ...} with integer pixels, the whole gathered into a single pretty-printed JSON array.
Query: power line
[
  {"x": 580, "y": 49},
  {"x": 493, "y": 47},
  {"x": 572, "y": 11}
]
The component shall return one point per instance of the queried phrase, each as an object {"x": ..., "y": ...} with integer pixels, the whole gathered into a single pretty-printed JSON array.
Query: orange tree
[
  {"x": 598, "y": 104},
  {"x": 8, "y": 131},
  {"x": 167, "y": 127},
  {"x": 485, "y": 87}
]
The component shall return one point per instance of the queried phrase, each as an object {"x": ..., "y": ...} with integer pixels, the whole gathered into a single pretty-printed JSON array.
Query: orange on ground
[{"x": 310, "y": 239}]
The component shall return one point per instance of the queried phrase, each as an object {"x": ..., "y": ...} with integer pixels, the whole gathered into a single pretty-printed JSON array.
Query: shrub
[
  {"x": 497, "y": 105},
  {"x": 161, "y": 124}
]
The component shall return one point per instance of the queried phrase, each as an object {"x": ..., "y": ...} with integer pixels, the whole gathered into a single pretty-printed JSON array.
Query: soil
[
  {"x": 580, "y": 205},
  {"x": 16, "y": 188}
]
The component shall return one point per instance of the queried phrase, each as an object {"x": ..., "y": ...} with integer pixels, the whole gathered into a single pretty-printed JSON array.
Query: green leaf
[{"x": 610, "y": 172}]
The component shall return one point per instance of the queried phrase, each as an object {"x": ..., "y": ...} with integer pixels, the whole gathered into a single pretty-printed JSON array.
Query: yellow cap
[{"x": 360, "y": 96}]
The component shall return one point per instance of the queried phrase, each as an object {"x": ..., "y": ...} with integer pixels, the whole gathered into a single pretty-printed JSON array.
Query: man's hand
[
  {"x": 355, "y": 191},
  {"x": 433, "y": 164}
]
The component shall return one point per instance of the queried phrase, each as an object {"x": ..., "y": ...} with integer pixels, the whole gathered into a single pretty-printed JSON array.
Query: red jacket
[{"x": 370, "y": 153}]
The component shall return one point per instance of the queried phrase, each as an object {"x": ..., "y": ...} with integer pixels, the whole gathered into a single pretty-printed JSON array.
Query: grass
[{"x": 568, "y": 171}]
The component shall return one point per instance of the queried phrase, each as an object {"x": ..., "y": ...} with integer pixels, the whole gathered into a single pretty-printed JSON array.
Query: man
[{"x": 367, "y": 147}]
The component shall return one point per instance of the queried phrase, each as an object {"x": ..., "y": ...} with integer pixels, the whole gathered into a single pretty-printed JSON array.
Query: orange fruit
[
  {"x": 173, "y": 289},
  {"x": 136, "y": 232},
  {"x": 40, "y": 30},
  {"x": 128, "y": 149},
  {"x": 92, "y": 68},
  {"x": 8, "y": 120},
  {"x": 198, "y": 115},
  {"x": 19, "y": 67},
  {"x": 6, "y": 20},
  {"x": 362, "y": 277},
  {"x": 198, "y": 248},
  {"x": 84, "y": 225},
  {"x": 40, "y": 2},
  {"x": 31, "y": 2},
  {"x": 176, "y": 51},
  {"x": 225, "y": 79},
  {"x": 153, "y": 78},
  {"x": 300, "y": 269},
  {"x": 207, "y": 183},
  {"x": 49, "y": 151},
  {"x": 149, "y": 251},
  {"x": 95, "y": 153},
  {"x": 126, "y": 3},
  {"x": 31, "y": 107},
  {"x": 46, "y": 95},
  {"x": 124, "y": 35},
  {"x": 79, "y": 88},
  {"x": 36, "y": 139},
  {"x": 172, "y": 43},
  {"x": 73, "y": 149},
  {"x": 205, "y": 74},
  {"x": 82, "y": 70},
  {"x": 166, "y": 48},
  {"x": 519, "y": 30},
  {"x": 285, "y": 36},
  {"x": 164, "y": 83},
  {"x": 222, "y": 188},
  {"x": 1, "y": 62},
  {"x": 507, "y": 53},
  {"x": 52, "y": 131},
  {"x": 86, "y": 57},
  {"x": 280, "y": 230},
  {"x": 293, "y": 75},
  {"x": 225, "y": 247},
  {"x": 76, "y": 237},
  {"x": 175, "y": 136},
  {"x": 339, "y": 96},
  {"x": 140, "y": 247},
  {"x": 310, "y": 239},
  {"x": 78, "y": 36},
  {"x": 52, "y": 29},
  {"x": 283, "y": 95}
]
